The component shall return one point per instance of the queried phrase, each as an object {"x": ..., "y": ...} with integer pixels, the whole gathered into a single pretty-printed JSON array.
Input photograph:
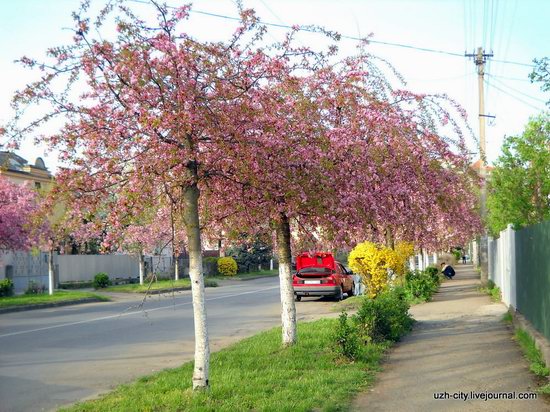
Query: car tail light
[{"x": 328, "y": 280}]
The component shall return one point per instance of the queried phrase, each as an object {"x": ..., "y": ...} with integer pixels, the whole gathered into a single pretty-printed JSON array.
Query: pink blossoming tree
[{"x": 18, "y": 206}]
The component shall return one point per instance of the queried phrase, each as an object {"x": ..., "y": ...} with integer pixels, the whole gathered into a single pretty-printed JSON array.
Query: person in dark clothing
[
  {"x": 463, "y": 258},
  {"x": 447, "y": 270}
]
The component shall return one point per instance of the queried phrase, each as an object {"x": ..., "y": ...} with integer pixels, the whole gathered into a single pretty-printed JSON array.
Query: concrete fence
[
  {"x": 73, "y": 268},
  {"x": 25, "y": 267}
]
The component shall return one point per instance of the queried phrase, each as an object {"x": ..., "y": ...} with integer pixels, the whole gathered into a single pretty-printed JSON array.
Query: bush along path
[{"x": 459, "y": 348}]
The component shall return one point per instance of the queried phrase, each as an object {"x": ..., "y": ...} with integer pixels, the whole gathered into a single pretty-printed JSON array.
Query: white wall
[
  {"x": 85, "y": 267},
  {"x": 502, "y": 264}
]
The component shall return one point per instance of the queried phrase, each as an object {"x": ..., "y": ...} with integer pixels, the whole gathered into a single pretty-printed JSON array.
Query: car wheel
[
  {"x": 298, "y": 298},
  {"x": 339, "y": 295}
]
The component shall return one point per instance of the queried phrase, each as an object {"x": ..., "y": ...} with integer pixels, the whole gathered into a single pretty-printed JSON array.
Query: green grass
[
  {"x": 58, "y": 296},
  {"x": 531, "y": 352},
  {"x": 544, "y": 389},
  {"x": 507, "y": 318},
  {"x": 350, "y": 304},
  {"x": 255, "y": 374},
  {"x": 158, "y": 285},
  {"x": 493, "y": 291},
  {"x": 244, "y": 276}
]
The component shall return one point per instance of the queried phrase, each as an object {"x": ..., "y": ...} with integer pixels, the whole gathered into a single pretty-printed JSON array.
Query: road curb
[
  {"x": 251, "y": 278},
  {"x": 23, "y": 308}
]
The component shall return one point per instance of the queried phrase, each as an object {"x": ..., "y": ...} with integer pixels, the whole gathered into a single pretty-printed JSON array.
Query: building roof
[
  {"x": 11, "y": 161},
  {"x": 477, "y": 166},
  {"x": 15, "y": 166}
]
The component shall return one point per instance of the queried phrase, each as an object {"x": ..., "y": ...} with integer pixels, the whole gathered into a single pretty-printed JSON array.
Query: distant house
[
  {"x": 19, "y": 171},
  {"x": 477, "y": 167}
]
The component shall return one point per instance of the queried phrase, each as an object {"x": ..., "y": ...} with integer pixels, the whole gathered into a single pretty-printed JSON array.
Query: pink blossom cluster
[
  {"x": 18, "y": 207},
  {"x": 263, "y": 133}
]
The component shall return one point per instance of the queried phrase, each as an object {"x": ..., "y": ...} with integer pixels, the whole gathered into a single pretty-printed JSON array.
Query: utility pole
[{"x": 479, "y": 59}]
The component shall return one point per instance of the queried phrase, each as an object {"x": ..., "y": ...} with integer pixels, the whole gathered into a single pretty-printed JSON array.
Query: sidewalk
[{"x": 459, "y": 344}]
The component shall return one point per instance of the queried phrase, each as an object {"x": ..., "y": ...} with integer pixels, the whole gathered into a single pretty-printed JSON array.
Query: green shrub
[
  {"x": 227, "y": 266},
  {"x": 385, "y": 317},
  {"x": 34, "y": 288},
  {"x": 421, "y": 285},
  {"x": 433, "y": 272},
  {"x": 457, "y": 254},
  {"x": 75, "y": 284},
  {"x": 210, "y": 264},
  {"x": 101, "y": 280},
  {"x": 346, "y": 339},
  {"x": 6, "y": 287}
]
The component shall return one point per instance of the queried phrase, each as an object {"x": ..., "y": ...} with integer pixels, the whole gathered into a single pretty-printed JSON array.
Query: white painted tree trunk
[
  {"x": 202, "y": 350},
  {"x": 288, "y": 308},
  {"x": 270, "y": 264},
  {"x": 412, "y": 265},
  {"x": 141, "y": 268},
  {"x": 50, "y": 273},
  {"x": 176, "y": 269}
]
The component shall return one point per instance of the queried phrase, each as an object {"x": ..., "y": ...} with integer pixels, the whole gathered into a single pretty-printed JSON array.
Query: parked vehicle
[{"x": 319, "y": 274}]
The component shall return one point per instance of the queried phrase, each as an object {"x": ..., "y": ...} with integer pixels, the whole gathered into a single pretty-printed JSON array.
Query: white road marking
[{"x": 119, "y": 315}]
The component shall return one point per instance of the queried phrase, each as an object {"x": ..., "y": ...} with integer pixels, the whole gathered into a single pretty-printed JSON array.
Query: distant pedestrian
[
  {"x": 447, "y": 270},
  {"x": 463, "y": 258}
]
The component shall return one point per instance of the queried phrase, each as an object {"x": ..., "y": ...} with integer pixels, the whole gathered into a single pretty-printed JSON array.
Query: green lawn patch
[
  {"x": 256, "y": 374},
  {"x": 58, "y": 296},
  {"x": 157, "y": 285}
]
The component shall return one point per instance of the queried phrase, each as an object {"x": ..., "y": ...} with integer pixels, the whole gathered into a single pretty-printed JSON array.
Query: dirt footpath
[{"x": 459, "y": 347}]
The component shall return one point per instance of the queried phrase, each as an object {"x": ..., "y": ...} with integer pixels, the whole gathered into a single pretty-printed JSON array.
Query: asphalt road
[{"x": 57, "y": 356}]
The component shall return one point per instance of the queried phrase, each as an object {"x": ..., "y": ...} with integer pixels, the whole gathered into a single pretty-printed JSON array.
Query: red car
[{"x": 319, "y": 274}]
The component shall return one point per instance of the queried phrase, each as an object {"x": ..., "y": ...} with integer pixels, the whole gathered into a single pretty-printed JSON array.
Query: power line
[
  {"x": 517, "y": 91},
  {"x": 512, "y": 96},
  {"x": 519, "y": 79},
  {"x": 516, "y": 63},
  {"x": 343, "y": 36}
]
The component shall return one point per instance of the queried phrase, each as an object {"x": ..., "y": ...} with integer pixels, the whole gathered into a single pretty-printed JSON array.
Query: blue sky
[{"x": 515, "y": 30}]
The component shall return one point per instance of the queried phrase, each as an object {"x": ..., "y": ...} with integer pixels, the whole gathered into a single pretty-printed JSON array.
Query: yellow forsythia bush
[
  {"x": 403, "y": 251},
  {"x": 227, "y": 266},
  {"x": 373, "y": 262}
]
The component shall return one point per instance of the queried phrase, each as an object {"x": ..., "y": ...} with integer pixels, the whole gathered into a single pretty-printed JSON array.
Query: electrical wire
[
  {"x": 311, "y": 30},
  {"x": 512, "y": 96},
  {"x": 509, "y": 78},
  {"x": 500, "y": 82}
]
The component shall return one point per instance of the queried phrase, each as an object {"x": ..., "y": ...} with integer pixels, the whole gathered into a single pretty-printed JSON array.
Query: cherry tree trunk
[
  {"x": 288, "y": 308},
  {"x": 176, "y": 268},
  {"x": 141, "y": 268},
  {"x": 50, "y": 272},
  {"x": 202, "y": 350}
]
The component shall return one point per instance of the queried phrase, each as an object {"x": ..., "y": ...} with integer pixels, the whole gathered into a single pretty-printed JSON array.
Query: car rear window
[{"x": 316, "y": 270}]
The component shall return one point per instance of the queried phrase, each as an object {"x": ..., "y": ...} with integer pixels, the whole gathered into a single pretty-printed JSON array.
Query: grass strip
[
  {"x": 58, "y": 296},
  {"x": 255, "y": 374},
  {"x": 532, "y": 353},
  {"x": 158, "y": 285},
  {"x": 248, "y": 275}
]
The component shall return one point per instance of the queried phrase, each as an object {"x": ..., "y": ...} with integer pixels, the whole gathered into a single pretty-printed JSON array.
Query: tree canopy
[{"x": 519, "y": 185}]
